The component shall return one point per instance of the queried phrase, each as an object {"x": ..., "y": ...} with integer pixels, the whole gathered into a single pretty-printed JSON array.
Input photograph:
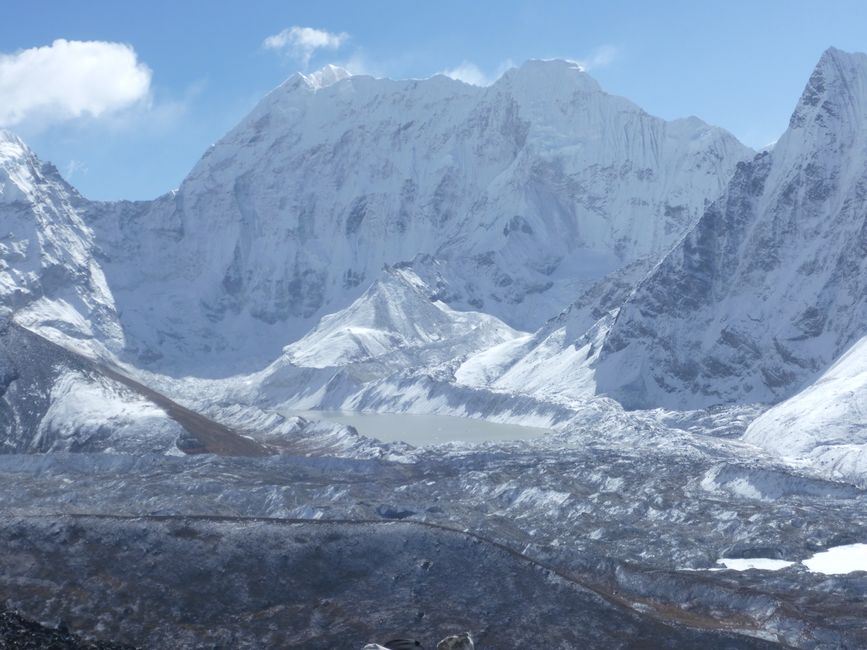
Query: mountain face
[
  {"x": 51, "y": 401},
  {"x": 770, "y": 286},
  {"x": 47, "y": 264},
  {"x": 378, "y": 226},
  {"x": 511, "y": 197}
]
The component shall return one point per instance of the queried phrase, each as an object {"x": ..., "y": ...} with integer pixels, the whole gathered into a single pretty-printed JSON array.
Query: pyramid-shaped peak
[
  {"x": 836, "y": 88},
  {"x": 842, "y": 73},
  {"x": 12, "y": 147},
  {"x": 841, "y": 59},
  {"x": 19, "y": 168},
  {"x": 7, "y": 136}
]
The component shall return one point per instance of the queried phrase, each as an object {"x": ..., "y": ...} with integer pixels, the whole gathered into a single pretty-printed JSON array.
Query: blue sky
[{"x": 194, "y": 68}]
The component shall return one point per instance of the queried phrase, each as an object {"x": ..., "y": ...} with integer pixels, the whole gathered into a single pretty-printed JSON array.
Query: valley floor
[
  {"x": 609, "y": 529},
  {"x": 575, "y": 538}
]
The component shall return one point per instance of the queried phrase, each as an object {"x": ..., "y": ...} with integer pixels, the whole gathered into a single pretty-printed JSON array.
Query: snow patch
[
  {"x": 760, "y": 563},
  {"x": 839, "y": 560}
]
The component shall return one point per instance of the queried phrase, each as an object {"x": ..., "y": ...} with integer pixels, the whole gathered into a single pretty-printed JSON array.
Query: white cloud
[
  {"x": 472, "y": 74},
  {"x": 599, "y": 58},
  {"x": 303, "y": 42},
  {"x": 70, "y": 79}
]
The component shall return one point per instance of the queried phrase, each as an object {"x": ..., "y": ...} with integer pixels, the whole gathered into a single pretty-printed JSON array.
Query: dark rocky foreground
[
  {"x": 195, "y": 583},
  {"x": 19, "y": 633}
]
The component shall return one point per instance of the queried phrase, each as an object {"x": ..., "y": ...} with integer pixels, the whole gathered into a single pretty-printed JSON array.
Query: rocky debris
[
  {"x": 19, "y": 633},
  {"x": 463, "y": 641},
  {"x": 313, "y": 585},
  {"x": 54, "y": 400},
  {"x": 454, "y": 642}
]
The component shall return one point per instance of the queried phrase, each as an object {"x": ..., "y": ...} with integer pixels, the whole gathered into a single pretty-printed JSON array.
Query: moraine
[{"x": 423, "y": 430}]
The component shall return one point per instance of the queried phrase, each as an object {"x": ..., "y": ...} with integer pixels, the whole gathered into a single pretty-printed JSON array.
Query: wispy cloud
[
  {"x": 469, "y": 73},
  {"x": 600, "y": 57},
  {"x": 303, "y": 42},
  {"x": 472, "y": 74},
  {"x": 70, "y": 79},
  {"x": 74, "y": 168},
  {"x": 359, "y": 63}
]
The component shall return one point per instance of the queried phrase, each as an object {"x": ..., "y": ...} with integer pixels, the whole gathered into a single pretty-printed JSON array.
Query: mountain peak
[
  {"x": 842, "y": 69},
  {"x": 836, "y": 89},
  {"x": 326, "y": 76},
  {"x": 838, "y": 57},
  {"x": 17, "y": 164},
  {"x": 561, "y": 65},
  {"x": 11, "y": 146},
  {"x": 550, "y": 73}
]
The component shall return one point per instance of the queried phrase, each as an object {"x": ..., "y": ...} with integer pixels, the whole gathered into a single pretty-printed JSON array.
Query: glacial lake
[{"x": 419, "y": 430}]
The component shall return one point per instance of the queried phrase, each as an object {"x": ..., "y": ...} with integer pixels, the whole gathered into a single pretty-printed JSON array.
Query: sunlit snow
[{"x": 839, "y": 560}]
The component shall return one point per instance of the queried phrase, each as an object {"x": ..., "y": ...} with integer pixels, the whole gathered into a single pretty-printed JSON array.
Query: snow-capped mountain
[
  {"x": 514, "y": 196},
  {"x": 483, "y": 204},
  {"x": 396, "y": 317},
  {"x": 47, "y": 266},
  {"x": 770, "y": 287},
  {"x": 357, "y": 240}
]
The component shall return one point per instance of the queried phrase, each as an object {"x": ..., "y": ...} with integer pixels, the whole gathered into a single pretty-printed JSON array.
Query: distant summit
[{"x": 326, "y": 76}]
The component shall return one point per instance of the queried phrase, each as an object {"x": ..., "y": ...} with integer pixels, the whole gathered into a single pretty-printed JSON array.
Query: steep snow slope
[
  {"x": 556, "y": 363},
  {"x": 771, "y": 285},
  {"x": 48, "y": 273},
  {"x": 512, "y": 197},
  {"x": 50, "y": 401},
  {"x": 826, "y": 423}
]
